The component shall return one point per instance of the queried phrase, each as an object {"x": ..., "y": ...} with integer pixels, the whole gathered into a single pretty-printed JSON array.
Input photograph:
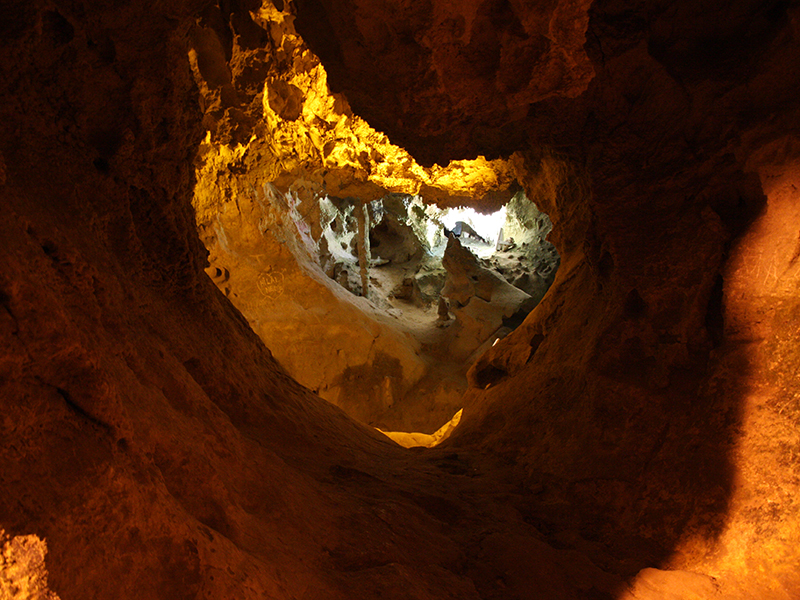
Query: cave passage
[
  {"x": 636, "y": 436},
  {"x": 382, "y": 306},
  {"x": 331, "y": 240}
]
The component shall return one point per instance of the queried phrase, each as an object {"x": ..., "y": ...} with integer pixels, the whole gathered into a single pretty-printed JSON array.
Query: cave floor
[{"x": 434, "y": 399}]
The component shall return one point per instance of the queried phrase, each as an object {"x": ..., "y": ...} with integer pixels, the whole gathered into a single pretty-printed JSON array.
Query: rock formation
[
  {"x": 481, "y": 300},
  {"x": 635, "y": 437}
]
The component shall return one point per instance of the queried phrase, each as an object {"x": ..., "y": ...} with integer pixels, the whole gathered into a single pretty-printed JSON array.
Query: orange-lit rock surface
[
  {"x": 635, "y": 437},
  {"x": 278, "y": 141},
  {"x": 450, "y": 79}
]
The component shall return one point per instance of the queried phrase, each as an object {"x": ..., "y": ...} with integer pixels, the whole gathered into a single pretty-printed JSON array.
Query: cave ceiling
[
  {"x": 271, "y": 117},
  {"x": 450, "y": 79}
]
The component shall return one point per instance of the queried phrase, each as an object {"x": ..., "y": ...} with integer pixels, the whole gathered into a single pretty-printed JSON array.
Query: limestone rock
[
  {"x": 481, "y": 300},
  {"x": 653, "y": 584},
  {"x": 524, "y": 52},
  {"x": 444, "y": 309},
  {"x": 466, "y": 279},
  {"x": 644, "y": 415}
]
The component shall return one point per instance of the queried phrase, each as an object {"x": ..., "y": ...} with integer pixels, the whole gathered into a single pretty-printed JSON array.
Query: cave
[
  {"x": 197, "y": 195},
  {"x": 379, "y": 306}
]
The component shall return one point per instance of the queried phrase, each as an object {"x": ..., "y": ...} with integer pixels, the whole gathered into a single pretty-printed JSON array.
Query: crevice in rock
[{"x": 78, "y": 409}]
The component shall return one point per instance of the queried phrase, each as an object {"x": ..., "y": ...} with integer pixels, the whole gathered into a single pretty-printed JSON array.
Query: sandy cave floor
[{"x": 437, "y": 397}]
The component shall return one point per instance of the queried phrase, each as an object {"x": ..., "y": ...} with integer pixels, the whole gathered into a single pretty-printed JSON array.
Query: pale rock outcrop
[{"x": 480, "y": 299}]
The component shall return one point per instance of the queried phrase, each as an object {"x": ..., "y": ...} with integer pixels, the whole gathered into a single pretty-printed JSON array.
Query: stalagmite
[{"x": 364, "y": 253}]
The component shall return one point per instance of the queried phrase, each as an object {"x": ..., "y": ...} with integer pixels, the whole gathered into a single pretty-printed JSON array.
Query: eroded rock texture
[
  {"x": 464, "y": 74},
  {"x": 635, "y": 437},
  {"x": 283, "y": 161}
]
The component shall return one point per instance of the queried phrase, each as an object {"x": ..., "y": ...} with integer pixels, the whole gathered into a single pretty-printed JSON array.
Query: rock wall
[
  {"x": 277, "y": 142},
  {"x": 149, "y": 440},
  {"x": 625, "y": 400},
  {"x": 638, "y": 436},
  {"x": 450, "y": 80},
  {"x": 640, "y": 397}
]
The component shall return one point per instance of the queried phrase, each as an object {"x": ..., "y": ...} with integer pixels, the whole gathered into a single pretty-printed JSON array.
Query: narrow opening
[
  {"x": 374, "y": 281},
  {"x": 382, "y": 306}
]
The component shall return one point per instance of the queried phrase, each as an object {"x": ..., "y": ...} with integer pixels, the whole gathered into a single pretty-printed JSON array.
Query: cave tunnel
[{"x": 213, "y": 239}]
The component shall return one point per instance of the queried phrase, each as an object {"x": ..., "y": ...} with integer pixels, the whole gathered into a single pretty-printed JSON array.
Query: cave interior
[{"x": 337, "y": 299}]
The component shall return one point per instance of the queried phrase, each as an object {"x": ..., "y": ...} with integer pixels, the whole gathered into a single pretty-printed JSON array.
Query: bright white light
[{"x": 487, "y": 226}]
